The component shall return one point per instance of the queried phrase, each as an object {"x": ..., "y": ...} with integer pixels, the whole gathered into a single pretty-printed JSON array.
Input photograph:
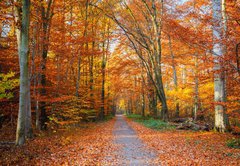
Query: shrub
[
  {"x": 134, "y": 116},
  {"x": 234, "y": 143},
  {"x": 151, "y": 122}
]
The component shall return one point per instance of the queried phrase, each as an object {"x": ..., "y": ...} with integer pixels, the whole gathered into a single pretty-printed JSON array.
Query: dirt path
[{"x": 132, "y": 150}]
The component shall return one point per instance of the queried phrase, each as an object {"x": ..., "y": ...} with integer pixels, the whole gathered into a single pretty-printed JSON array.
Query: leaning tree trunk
[
  {"x": 219, "y": 78},
  {"x": 23, "y": 19},
  {"x": 157, "y": 26}
]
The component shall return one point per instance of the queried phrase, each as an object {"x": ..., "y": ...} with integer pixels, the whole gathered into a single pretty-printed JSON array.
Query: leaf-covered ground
[
  {"x": 78, "y": 146},
  {"x": 188, "y": 148},
  {"x": 99, "y": 144}
]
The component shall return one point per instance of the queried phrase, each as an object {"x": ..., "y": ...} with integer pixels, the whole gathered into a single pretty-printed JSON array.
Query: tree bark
[
  {"x": 174, "y": 77},
  {"x": 85, "y": 47},
  {"x": 22, "y": 32},
  {"x": 78, "y": 75},
  {"x": 106, "y": 45},
  {"x": 196, "y": 89},
  {"x": 28, "y": 128},
  {"x": 143, "y": 95},
  {"x": 46, "y": 25},
  {"x": 219, "y": 77}
]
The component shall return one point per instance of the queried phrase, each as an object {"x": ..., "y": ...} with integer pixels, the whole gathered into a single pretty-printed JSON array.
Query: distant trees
[
  {"x": 186, "y": 46},
  {"x": 144, "y": 32}
]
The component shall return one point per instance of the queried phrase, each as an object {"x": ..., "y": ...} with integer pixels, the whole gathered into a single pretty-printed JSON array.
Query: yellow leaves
[
  {"x": 66, "y": 141},
  {"x": 51, "y": 54},
  {"x": 185, "y": 96},
  {"x": 182, "y": 94},
  {"x": 122, "y": 104},
  {"x": 7, "y": 82},
  {"x": 206, "y": 91},
  {"x": 44, "y": 3}
]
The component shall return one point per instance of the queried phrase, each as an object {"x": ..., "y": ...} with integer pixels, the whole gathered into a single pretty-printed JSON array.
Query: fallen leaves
[
  {"x": 78, "y": 146},
  {"x": 95, "y": 146},
  {"x": 188, "y": 148}
]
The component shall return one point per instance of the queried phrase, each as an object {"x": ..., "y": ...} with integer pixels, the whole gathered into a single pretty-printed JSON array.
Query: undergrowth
[
  {"x": 234, "y": 143},
  {"x": 151, "y": 122}
]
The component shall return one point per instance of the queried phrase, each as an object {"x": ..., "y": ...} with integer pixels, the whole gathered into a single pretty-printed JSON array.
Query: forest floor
[
  {"x": 175, "y": 147},
  {"x": 88, "y": 144},
  {"x": 121, "y": 141}
]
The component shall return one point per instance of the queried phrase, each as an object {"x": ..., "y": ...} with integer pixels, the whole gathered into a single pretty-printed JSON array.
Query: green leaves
[
  {"x": 151, "y": 122},
  {"x": 234, "y": 143},
  {"x": 7, "y": 83}
]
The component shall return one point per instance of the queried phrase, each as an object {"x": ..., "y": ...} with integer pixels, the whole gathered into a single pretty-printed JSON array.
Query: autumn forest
[{"x": 119, "y": 82}]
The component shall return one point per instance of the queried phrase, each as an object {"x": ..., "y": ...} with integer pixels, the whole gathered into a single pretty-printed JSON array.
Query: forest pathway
[{"x": 133, "y": 151}]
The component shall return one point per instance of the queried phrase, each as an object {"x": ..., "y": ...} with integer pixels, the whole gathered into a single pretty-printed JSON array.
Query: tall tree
[
  {"x": 105, "y": 50},
  {"x": 47, "y": 14},
  {"x": 219, "y": 77},
  {"x": 175, "y": 81},
  {"x": 22, "y": 17}
]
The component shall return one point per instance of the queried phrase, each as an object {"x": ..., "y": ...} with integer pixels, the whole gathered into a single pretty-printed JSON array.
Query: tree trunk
[
  {"x": 22, "y": 32},
  {"x": 174, "y": 77},
  {"x": 152, "y": 99},
  {"x": 104, "y": 64},
  {"x": 184, "y": 75},
  {"x": 38, "y": 123},
  {"x": 143, "y": 95},
  {"x": 196, "y": 89},
  {"x": 43, "y": 115},
  {"x": 219, "y": 77},
  {"x": 157, "y": 24},
  {"x": 91, "y": 76},
  {"x": 101, "y": 116},
  {"x": 35, "y": 73},
  {"x": 78, "y": 75},
  {"x": 46, "y": 18},
  {"x": 28, "y": 128}
]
